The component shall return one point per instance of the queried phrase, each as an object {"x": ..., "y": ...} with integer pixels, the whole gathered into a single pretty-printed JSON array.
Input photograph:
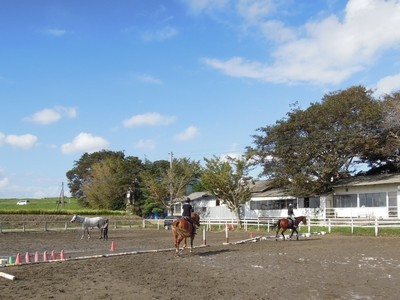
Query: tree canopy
[
  {"x": 312, "y": 148},
  {"x": 166, "y": 182},
  {"x": 229, "y": 181}
]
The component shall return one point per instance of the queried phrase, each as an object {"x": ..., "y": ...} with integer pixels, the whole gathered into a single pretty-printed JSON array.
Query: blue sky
[{"x": 195, "y": 77}]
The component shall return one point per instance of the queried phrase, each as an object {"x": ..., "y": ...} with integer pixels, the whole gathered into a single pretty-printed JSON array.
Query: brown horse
[
  {"x": 182, "y": 229},
  {"x": 284, "y": 224}
]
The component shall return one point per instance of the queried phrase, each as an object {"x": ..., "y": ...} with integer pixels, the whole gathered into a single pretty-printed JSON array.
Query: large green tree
[
  {"x": 311, "y": 148},
  {"x": 102, "y": 180},
  {"x": 107, "y": 185},
  {"x": 385, "y": 157},
  {"x": 228, "y": 179}
]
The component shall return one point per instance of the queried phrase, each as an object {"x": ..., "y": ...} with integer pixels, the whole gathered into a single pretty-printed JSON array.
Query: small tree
[
  {"x": 166, "y": 182},
  {"x": 228, "y": 180}
]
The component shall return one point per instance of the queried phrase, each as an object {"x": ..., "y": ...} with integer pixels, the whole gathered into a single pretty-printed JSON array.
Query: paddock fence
[{"x": 255, "y": 224}]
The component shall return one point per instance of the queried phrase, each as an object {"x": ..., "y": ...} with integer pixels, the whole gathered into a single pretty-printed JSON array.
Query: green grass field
[
  {"x": 40, "y": 204},
  {"x": 50, "y": 206}
]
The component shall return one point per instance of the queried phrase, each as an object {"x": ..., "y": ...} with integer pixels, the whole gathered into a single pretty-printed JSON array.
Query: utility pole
[{"x": 170, "y": 180}]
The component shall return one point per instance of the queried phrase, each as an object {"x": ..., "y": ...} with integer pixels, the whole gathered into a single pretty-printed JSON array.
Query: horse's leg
[
  {"x": 191, "y": 242},
  {"x": 283, "y": 233},
  {"x": 83, "y": 233},
  {"x": 184, "y": 244},
  {"x": 175, "y": 237}
]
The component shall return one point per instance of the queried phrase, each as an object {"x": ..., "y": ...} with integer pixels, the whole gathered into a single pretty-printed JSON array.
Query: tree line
[{"x": 307, "y": 151}]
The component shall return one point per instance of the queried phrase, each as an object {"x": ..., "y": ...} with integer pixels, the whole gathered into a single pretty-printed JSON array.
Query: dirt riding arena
[{"x": 318, "y": 267}]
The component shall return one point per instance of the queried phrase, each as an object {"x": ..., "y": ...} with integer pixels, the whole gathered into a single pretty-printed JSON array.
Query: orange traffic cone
[
  {"x": 112, "y": 246},
  {"x": 62, "y": 255},
  {"x": 36, "y": 257},
  {"x": 27, "y": 260},
  {"x": 18, "y": 259},
  {"x": 45, "y": 256}
]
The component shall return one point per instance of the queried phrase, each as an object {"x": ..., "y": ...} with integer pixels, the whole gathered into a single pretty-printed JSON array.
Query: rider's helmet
[
  {"x": 290, "y": 204},
  {"x": 187, "y": 200}
]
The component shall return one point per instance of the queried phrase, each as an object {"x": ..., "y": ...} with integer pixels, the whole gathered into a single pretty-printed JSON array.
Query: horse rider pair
[
  {"x": 291, "y": 216},
  {"x": 187, "y": 210}
]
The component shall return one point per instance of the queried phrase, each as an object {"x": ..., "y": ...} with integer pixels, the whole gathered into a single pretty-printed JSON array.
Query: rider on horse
[
  {"x": 291, "y": 216},
  {"x": 187, "y": 210}
]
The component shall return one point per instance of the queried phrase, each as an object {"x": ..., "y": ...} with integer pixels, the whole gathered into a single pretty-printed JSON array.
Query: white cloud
[
  {"x": 323, "y": 51},
  {"x": 164, "y": 33},
  {"x": 51, "y": 115},
  {"x": 188, "y": 134},
  {"x": 85, "y": 142},
  {"x": 149, "y": 79},
  {"x": 70, "y": 112},
  {"x": 25, "y": 141},
  {"x": 55, "y": 32},
  {"x": 3, "y": 180},
  {"x": 149, "y": 119},
  {"x": 199, "y": 6},
  {"x": 388, "y": 84},
  {"x": 255, "y": 10},
  {"x": 2, "y": 138},
  {"x": 45, "y": 116},
  {"x": 146, "y": 144}
]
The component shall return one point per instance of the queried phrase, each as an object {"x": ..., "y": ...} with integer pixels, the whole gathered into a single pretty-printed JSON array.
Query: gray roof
[
  {"x": 201, "y": 196},
  {"x": 369, "y": 180},
  {"x": 265, "y": 188}
]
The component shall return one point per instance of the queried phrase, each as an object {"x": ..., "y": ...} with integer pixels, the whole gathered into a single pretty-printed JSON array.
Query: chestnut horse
[
  {"x": 182, "y": 229},
  {"x": 284, "y": 224}
]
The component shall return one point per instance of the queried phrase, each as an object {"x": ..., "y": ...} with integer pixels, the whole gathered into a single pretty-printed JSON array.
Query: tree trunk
[{"x": 238, "y": 219}]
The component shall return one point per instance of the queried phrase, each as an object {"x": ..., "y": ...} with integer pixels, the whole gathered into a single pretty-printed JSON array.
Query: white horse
[{"x": 89, "y": 222}]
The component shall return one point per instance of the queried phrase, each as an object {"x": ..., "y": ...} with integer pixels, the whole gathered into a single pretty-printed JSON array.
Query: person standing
[{"x": 104, "y": 231}]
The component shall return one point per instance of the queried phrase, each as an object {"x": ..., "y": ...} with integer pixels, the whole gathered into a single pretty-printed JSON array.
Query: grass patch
[{"x": 50, "y": 206}]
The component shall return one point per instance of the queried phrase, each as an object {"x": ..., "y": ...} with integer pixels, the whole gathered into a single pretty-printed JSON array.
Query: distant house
[
  {"x": 207, "y": 206},
  {"x": 375, "y": 196},
  {"x": 270, "y": 201}
]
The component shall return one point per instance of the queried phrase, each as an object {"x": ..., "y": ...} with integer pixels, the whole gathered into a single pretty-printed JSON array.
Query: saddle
[
  {"x": 291, "y": 223},
  {"x": 189, "y": 219}
]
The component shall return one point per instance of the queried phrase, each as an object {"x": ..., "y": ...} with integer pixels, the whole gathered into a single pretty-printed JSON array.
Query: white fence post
[
  {"x": 376, "y": 226},
  {"x": 352, "y": 225},
  {"x": 329, "y": 225}
]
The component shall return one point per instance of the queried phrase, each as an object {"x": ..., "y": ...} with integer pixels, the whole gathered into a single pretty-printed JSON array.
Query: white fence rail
[
  {"x": 210, "y": 224},
  {"x": 268, "y": 223}
]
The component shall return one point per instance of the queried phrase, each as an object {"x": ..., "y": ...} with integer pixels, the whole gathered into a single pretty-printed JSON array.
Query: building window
[
  {"x": 309, "y": 202},
  {"x": 345, "y": 200},
  {"x": 272, "y": 204},
  {"x": 373, "y": 200}
]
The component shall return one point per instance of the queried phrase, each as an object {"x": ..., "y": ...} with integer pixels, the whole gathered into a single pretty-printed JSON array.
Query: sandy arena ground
[{"x": 318, "y": 267}]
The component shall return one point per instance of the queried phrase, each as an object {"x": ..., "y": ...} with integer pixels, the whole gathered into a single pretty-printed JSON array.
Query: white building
[{"x": 375, "y": 196}]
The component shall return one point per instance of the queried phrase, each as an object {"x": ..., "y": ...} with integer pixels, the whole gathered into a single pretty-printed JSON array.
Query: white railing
[
  {"x": 210, "y": 224},
  {"x": 267, "y": 223}
]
